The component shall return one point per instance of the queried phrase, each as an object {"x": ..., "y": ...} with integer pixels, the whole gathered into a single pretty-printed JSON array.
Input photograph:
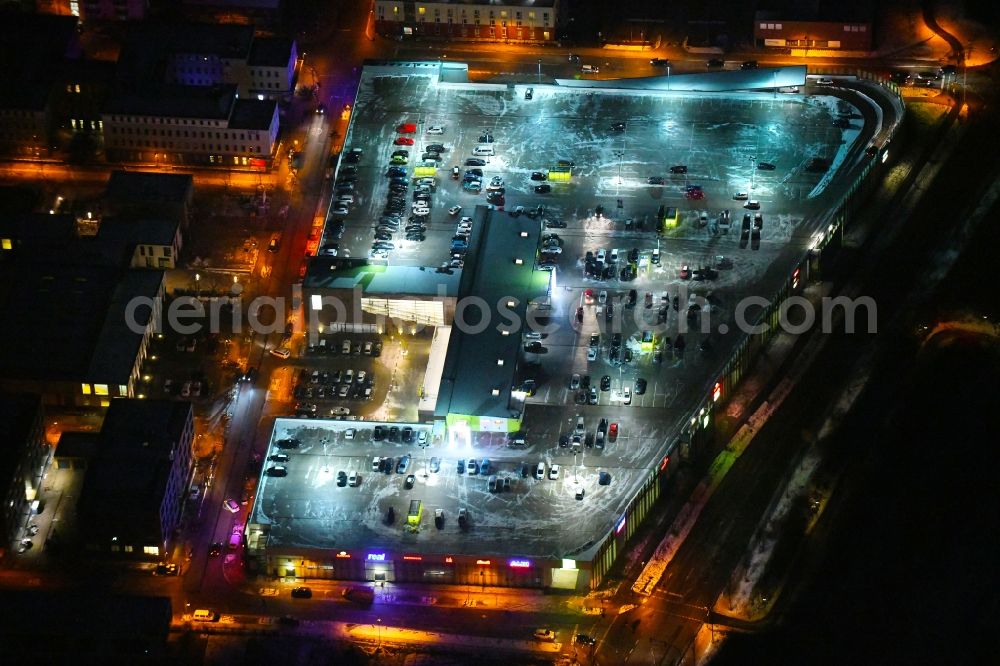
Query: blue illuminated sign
[{"x": 376, "y": 557}]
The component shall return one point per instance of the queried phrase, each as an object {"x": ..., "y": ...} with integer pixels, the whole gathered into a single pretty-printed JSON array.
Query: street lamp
[
  {"x": 539, "y": 71},
  {"x": 379, "y": 620}
]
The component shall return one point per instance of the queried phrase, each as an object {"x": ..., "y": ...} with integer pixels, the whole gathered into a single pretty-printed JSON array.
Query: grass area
[{"x": 925, "y": 116}]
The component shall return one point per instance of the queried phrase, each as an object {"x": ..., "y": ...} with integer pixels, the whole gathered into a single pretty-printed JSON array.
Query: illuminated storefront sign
[
  {"x": 621, "y": 525},
  {"x": 343, "y": 553},
  {"x": 448, "y": 560},
  {"x": 413, "y": 558},
  {"x": 520, "y": 564},
  {"x": 376, "y": 557},
  {"x": 483, "y": 562}
]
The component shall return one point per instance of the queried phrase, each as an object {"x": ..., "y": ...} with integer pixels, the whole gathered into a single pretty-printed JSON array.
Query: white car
[
  {"x": 592, "y": 354},
  {"x": 340, "y": 210},
  {"x": 422, "y": 437},
  {"x": 362, "y": 374},
  {"x": 281, "y": 352},
  {"x": 551, "y": 248},
  {"x": 435, "y": 129},
  {"x": 554, "y": 472},
  {"x": 454, "y": 210},
  {"x": 423, "y": 210},
  {"x": 540, "y": 471},
  {"x": 741, "y": 196},
  {"x": 231, "y": 505},
  {"x": 601, "y": 254},
  {"x": 353, "y": 480},
  {"x": 349, "y": 433},
  {"x": 340, "y": 411},
  {"x": 602, "y": 297},
  {"x": 824, "y": 81}
]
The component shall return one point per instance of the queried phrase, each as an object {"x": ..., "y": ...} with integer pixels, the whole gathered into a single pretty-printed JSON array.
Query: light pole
[
  {"x": 753, "y": 170},
  {"x": 379, "y": 620},
  {"x": 965, "y": 71},
  {"x": 539, "y": 71}
]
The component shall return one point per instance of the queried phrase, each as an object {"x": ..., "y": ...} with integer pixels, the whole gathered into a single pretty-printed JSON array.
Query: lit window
[
  {"x": 421, "y": 10},
  {"x": 6, "y": 244},
  {"x": 100, "y": 389},
  {"x": 123, "y": 390},
  {"x": 499, "y": 361},
  {"x": 495, "y": 392},
  {"x": 85, "y": 389},
  {"x": 151, "y": 550},
  {"x": 316, "y": 302}
]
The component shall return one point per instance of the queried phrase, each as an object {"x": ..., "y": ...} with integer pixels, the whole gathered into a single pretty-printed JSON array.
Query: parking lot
[
  {"x": 640, "y": 360},
  {"x": 719, "y": 139},
  {"x": 310, "y": 508}
]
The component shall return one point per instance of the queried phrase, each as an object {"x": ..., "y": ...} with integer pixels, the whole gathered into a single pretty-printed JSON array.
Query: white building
[{"x": 191, "y": 125}]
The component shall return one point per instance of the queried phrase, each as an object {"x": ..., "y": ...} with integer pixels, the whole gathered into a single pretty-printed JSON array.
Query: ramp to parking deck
[
  {"x": 753, "y": 79},
  {"x": 435, "y": 368}
]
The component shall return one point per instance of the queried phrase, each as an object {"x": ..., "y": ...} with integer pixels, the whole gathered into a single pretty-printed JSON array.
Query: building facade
[
  {"x": 511, "y": 21},
  {"x": 793, "y": 31},
  {"x": 96, "y": 10},
  {"x": 22, "y": 462},
  {"x": 135, "y": 487},
  {"x": 192, "y": 125}
]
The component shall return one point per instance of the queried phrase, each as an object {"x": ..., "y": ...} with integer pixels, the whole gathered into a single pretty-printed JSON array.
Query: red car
[
  {"x": 695, "y": 194},
  {"x": 406, "y": 128},
  {"x": 588, "y": 297},
  {"x": 403, "y": 141},
  {"x": 613, "y": 432},
  {"x": 685, "y": 273}
]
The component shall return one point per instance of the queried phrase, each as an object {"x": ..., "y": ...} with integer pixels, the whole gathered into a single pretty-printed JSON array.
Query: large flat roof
[
  {"x": 175, "y": 101},
  {"x": 149, "y": 187},
  {"x": 307, "y": 511},
  {"x": 253, "y": 114},
  {"x": 379, "y": 279},
  {"x": 271, "y": 52},
  {"x": 479, "y": 372}
]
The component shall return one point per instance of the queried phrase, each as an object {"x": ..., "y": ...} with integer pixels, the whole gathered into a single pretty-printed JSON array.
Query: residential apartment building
[
  {"x": 83, "y": 329},
  {"x": 190, "y": 125},
  {"x": 23, "y": 458},
  {"x": 135, "y": 486},
  {"x": 33, "y": 50},
  {"x": 198, "y": 54},
  {"x": 500, "y": 21}
]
